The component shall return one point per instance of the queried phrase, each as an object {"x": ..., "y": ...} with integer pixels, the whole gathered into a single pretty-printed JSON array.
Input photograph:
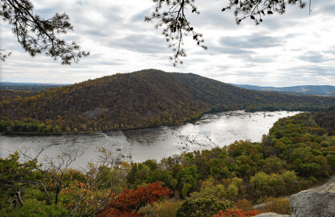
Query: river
[{"x": 211, "y": 130}]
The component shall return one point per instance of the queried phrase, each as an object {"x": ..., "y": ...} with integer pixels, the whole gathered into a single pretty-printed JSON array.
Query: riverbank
[
  {"x": 211, "y": 130},
  {"x": 193, "y": 120}
]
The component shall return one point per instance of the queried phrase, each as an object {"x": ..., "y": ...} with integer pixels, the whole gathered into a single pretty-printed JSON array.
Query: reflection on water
[{"x": 211, "y": 130}]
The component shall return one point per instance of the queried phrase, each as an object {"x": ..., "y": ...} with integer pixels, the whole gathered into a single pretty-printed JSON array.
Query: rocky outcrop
[
  {"x": 316, "y": 202},
  {"x": 271, "y": 214}
]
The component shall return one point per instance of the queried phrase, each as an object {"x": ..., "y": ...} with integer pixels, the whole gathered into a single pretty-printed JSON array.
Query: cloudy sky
[{"x": 285, "y": 50}]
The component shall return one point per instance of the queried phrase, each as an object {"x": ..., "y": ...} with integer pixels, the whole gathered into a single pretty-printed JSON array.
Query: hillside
[
  {"x": 320, "y": 90},
  {"x": 8, "y": 95},
  {"x": 326, "y": 119},
  {"x": 139, "y": 99}
]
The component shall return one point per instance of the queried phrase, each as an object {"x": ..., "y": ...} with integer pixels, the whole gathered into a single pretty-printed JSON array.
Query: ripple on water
[{"x": 209, "y": 131}]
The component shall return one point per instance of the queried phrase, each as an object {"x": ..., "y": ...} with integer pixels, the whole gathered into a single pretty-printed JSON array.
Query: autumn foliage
[
  {"x": 130, "y": 201},
  {"x": 237, "y": 213},
  {"x": 135, "y": 100},
  {"x": 277, "y": 205}
]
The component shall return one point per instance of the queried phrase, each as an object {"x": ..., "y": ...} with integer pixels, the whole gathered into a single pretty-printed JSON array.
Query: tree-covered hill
[{"x": 139, "y": 99}]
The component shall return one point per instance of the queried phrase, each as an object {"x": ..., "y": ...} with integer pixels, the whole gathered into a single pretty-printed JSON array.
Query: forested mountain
[
  {"x": 139, "y": 99},
  {"x": 321, "y": 90}
]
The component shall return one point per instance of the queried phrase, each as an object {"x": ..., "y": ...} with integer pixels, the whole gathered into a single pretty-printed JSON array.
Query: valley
[
  {"x": 140, "y": 99},
  {"x": 139, "y": 145},
  {"x": 200, "y": 141}
]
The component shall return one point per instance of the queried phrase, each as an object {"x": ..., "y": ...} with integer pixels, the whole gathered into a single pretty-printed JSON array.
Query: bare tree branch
[
  {"x": 175, "y": 24},
  {"x": 37, "y": 35}
]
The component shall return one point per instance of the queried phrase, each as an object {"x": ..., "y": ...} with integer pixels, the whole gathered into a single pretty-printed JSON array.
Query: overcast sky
[{"x": 285, "y": 50}]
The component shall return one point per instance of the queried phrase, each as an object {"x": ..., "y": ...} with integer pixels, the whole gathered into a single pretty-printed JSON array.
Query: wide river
[{"x": 138, "y": 145}]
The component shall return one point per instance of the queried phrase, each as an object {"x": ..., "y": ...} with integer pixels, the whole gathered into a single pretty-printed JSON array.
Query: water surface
[{"x": 138, "y": 145}]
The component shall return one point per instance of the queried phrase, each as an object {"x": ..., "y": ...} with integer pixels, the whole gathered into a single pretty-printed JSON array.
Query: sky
[{"x": 296, "y": 48}]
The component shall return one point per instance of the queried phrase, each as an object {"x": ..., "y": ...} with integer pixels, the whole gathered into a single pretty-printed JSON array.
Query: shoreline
[{"x": 124, "y": 129}]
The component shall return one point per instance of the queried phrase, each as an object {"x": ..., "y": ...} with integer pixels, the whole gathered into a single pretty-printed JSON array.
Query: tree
[
  {"x": 130, "y": 201},
  {"x": 202, "y": 207},
  {"x": 176, "y": 24},
  {"x": 38, "y": 35},
  {"x": 56, "y": 189}
]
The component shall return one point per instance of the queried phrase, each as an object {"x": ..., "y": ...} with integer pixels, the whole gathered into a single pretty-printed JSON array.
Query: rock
[
  {"x": 316, "y": 202},
  {"x": 271, "y": 214}
]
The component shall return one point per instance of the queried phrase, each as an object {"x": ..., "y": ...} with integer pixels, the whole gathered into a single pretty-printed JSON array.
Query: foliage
[
  {"x": 140, "y": 99},
  {"x": 176, "y": 24},
  {"x": 290, "y": 158},
  {"x": 276, "y": 205},
  {"x": 261, "y": 180},
  {"x": 167, "y": 208},
  {"x": 8, "y": 95},
  {"x": 164, "y": 208},
  {"x": 15, "y": 178},
  {"x": 207, "y": 206},
  {"x": 236, "y": 213},
  {"x": 56, "y": 190},
  {"x": 243, "y": 204},
  {"x": 37, "y": 35},
  {"x": 36, "y": 208},
  {"x": 130, "y": 201},
  {"x": 217, "y": 191},
  {"x": 326, "y": 120},
  {"x": 296, "y": 154}
]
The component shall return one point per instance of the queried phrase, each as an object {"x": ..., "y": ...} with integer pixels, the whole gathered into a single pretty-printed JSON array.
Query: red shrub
[{"x": 129, "y": 202}]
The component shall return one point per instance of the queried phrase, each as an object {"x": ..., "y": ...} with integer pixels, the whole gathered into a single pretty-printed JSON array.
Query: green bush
[
  {"x": 204, "y": 207},
  {"x": 216, "y": 191},
  {"x": 35, "y": 208}
]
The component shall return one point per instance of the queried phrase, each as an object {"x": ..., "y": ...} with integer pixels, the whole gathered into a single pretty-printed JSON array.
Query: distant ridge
[
  {"x": 139, "y": 99},
  {"x": 30, "y": 83},
  {"x": 31, "y": 86},
  {"x": 321, "y": 90}
]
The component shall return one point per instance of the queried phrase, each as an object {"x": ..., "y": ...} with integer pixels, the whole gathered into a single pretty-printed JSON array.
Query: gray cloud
[
  {"x": 245, "y": 73},
  {"x": 84, "y": 24},
  {"x": 213, "y": 18},
  {"x": 310, "y": 71},
  {"x": 111, "y": 63},
  {"x": 142, "y": 43},
  {"x": 140, "y": 16},
  {"x": 330, "y": 51},
  {"x": 120, "y": 31},
  {"x": 252, "y": 58},
  {"x": 253, "y": 41},
  {"x": 214, "y": 50},
  {"x": 314, "y": 57},
  {"x": 47, "y": 13}
]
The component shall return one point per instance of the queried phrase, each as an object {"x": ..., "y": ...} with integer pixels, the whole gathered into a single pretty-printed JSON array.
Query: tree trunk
[{"x": 18, "y": 194}]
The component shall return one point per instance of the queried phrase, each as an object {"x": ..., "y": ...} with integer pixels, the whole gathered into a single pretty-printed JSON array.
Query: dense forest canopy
[{"x": 139, "y": 99}]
